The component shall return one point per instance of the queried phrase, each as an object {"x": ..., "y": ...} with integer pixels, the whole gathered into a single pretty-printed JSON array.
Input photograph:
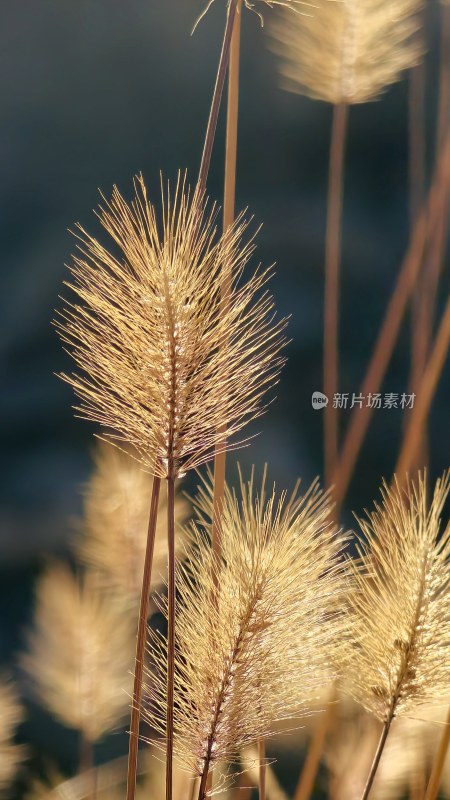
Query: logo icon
[{"x": 319, "y": 400}]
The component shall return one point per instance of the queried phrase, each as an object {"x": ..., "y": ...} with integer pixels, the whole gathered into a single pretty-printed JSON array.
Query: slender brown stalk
[
  {"x": 86, "y": 755},
  {"x": 140, "y": 645},
  {"x": 232, "y": 122},
  {"x": 87, "y": 764},
  {"x": 203, "y": 785},
  {"x": 217, "y": 96},
  {"x": 416, "y": 131},
  {"x": 438, "y": 763},
  {"x": 170, "y": 633},
  {"x": 308, "y": 774},
  {"x": 228, "y": 219},
  {"x": 377, "y": 757},
  {"x": 426, "y": 290},
  {"x": 331, "y": 299},
  {"x": 425, "y": 394},
  {"x": 243, "y": 790},
  {"x": 262, "y": 769},
  {"x": 359, "y": 422}
]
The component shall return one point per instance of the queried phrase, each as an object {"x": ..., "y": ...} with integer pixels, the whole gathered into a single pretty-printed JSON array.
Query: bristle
[
  {"x": 11, "y": 714},
  {"x": 255, "y": 627},
  {"x": 165, "y": 367},
  {"x": 114, "y": 530},
  {"x": 254, "y": 5},
  {"x": 80, "y": 654},
  {"x": 399, "y": 606},
  {"x": 347, "y": 51}
]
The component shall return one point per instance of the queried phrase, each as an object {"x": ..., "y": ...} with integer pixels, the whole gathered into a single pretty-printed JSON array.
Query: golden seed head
[
  {"x": 114, "y": 530},
  {"x": 399, "y": 605},
  {"x": 347, "y": 51},
  {"x": 80, "y": 654},
  {"x": 255, "y": 626},
  {"x": 166, "y": 366}
]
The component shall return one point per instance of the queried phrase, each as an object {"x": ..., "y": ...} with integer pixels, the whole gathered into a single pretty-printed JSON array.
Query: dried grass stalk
[
  {"x": 256, "y": 624},
  {"x": 347, "y": 51},
  {"x": 400, "y": 603},
  {"x": 399, "y": 607},
  {"x": 148, "y": 334},
  {"x": 79, "y": 656}
]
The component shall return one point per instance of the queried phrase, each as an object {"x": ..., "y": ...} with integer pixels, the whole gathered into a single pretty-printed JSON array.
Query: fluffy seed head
[
  {"x": 347, "y": 51},
  {"x": 400, "y": 603},
  {"x": 80, "y": 654},
  {"x": 254, "y": 626},
  {"x": 164, "y": 364},
  {"x": 115, "y": 523}
]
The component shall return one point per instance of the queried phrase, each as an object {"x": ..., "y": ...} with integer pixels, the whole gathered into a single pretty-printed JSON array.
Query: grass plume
[
  {"x": 255, "y": 624},
  {"x": 399, "y": 607},
  {"x": 115, "y": 522},
  {"x": 148, "y": 334},
  {"x": 79, "y": 654},
  {"x": 166, "y": 369},
  {"x": 348, "y": 51}
]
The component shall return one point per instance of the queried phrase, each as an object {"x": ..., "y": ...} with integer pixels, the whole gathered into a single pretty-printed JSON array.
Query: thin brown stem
[
  {"x": 416, "y": 132},
  {"x": 377, "y": 757},
  {"x": 170, "y": 633},
  {"x": 309, "y": 772},
  {"x": 243, "y": 790},
  {"x": 425, "y": 394},
  {"x": 203, "y": 784},
  {"x": 86, "y": 756},
  {"x": 228, "y": 219},
  {"x": 331, "y": 298},
  {"x": 438, "y": 762},
  {"x": 140, "y": 644},
  {"x": 427, "y": 287},
  {"x": 87, "y": 764},
  {"x": 262, "y": 769},
  {"x": 217, "y": 96},
  {"x": 384, "y": 346}
]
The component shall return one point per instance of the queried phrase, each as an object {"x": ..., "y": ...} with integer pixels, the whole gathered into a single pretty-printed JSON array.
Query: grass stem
[
  {"x": 438, "y": 763},
  {"x": 140, "y": 644},
  {"x": 228, "y": 219},
  {"x": 426, "y": 290},
  {"x": 377, "y": 757},
  {"x": 387, "y": 336},
  {"x": 425, "y": 393},
  {"x": 217, "y": 96},
  {"x": 416, "y": 133},
  {"x": 310, "y": 768},
  {"x": 87, "y": 764},
  {"x": 262, "y": 769},
  {"x": 332, "y": 270},
  {"x": 170, "y": 633}
]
